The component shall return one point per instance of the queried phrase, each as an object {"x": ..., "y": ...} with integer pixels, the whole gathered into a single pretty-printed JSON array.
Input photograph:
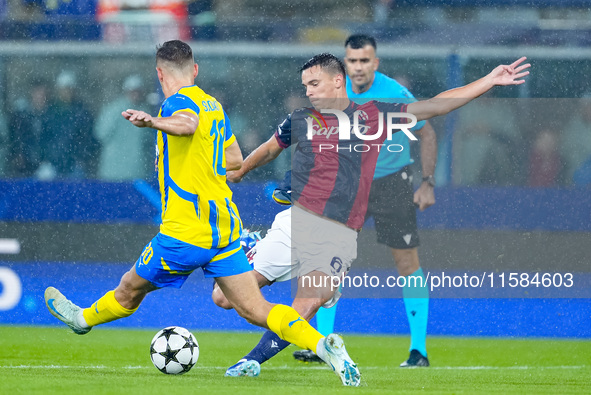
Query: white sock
[
  {"x": 81, "y": 321},
  {"x": 320, "y": 350}
]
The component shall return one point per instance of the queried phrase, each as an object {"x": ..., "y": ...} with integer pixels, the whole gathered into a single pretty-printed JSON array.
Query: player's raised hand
[
  {"x": 512, "y": 74},
  {"x": 138, "y": 118}
]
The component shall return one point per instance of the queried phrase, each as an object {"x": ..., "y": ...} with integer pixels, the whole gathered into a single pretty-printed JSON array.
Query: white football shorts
[{"x": 300, "y": 242}]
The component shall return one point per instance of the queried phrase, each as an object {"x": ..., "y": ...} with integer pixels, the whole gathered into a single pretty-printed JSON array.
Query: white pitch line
[
  {"x": 51, "y": 367},
  {"x": 442, "y": 367},
  {"x": 318, "y": 367}
]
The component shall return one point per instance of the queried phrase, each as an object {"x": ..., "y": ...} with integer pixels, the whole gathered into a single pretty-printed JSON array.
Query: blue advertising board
[{"x": 22, "y": 286}]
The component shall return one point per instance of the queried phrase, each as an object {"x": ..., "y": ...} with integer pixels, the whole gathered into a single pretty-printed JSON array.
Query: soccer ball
[{"x": 174, "y": 350}]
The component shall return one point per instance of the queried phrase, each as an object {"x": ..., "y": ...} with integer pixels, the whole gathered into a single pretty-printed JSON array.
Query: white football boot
[
  {"x": 64, "y": 310},
  {"x": 336, "y": 356}
]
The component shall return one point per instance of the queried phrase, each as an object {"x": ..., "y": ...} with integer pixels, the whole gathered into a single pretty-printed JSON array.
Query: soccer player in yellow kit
[{"x": 200, "y": 223}]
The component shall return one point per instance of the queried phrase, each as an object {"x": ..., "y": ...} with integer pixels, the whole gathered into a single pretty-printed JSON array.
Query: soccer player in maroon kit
[{"x": 332, "y": 171}]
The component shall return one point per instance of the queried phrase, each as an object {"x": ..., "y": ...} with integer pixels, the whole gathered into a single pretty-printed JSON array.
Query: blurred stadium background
[{"x": 513, "y": 173}]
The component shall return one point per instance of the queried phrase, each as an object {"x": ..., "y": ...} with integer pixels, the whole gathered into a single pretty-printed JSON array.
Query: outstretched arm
[
  {"x": 180, "y": 124},
  {"x": 264, "y": 154},
  {"x": 448, "y": 101}
]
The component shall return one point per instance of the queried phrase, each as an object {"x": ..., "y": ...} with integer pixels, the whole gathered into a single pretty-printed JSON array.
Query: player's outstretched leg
[
  {"x": 65, "y": 311},
  {"x": 334, "y": 353},
  {"x": 132, "y": 289},
  {"x": 243, "y": 293}
]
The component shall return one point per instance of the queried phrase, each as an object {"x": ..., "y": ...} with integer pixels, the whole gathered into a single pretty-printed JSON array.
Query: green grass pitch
[{"x": 52, "y": 360}]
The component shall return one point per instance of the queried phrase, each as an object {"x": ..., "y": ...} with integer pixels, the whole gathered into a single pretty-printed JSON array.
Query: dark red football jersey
[{"x": 331, "y": 176}]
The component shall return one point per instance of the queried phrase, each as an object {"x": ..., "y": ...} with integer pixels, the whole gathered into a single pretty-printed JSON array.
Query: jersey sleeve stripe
[
  {"x": 228, "y": 127},
  {"x": 229, "y": 141},
  {"x": 178, "y": 102},
  {"x": 185, "y": 110}
]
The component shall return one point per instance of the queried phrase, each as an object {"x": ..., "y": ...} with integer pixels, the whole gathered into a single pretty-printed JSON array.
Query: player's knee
[
  {"x": 407, "y": 261},
  {"x": 219, "y": 299}
]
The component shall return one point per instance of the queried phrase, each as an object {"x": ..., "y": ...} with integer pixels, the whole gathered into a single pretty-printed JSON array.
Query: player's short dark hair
[
  {"x": 176, "y": 52},
  {"x": 358, "y": 41},
  {"x": 327, "y": 62}
]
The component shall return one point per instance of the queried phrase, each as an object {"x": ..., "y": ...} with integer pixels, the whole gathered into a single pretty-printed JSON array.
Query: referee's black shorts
[{"x": 392, "y": 208}]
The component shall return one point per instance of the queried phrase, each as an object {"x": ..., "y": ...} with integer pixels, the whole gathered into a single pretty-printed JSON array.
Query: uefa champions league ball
[{"x": 174, "y": 350}]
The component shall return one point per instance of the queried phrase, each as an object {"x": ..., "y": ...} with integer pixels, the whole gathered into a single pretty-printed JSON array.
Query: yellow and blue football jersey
[{"x": 197, "y": 205}]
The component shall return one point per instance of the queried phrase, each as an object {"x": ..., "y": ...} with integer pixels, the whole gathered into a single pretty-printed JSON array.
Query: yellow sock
[
  {"x": 106, "y": 309},
  {"x": 288, "y": 325}
]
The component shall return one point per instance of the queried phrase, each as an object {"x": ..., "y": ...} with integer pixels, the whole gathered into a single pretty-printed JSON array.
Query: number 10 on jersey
[{"x": 217, "y": 131}]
